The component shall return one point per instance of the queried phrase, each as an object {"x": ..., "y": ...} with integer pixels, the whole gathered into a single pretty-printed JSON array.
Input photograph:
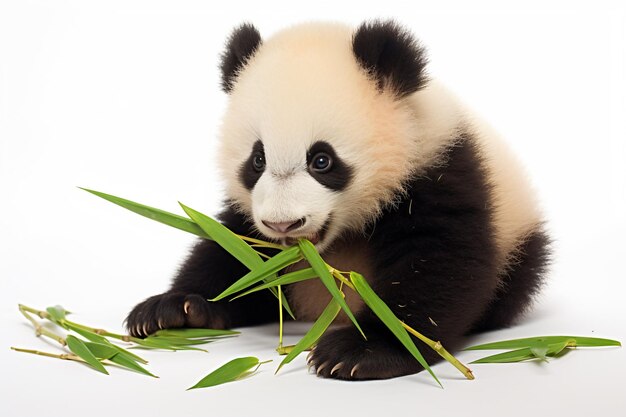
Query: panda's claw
[
  {"x": 336, "y": 368},
  {"x": 173, "y": 310},
  {"x": 343, "y": 354},
  {"x": 321, "y": 368}
]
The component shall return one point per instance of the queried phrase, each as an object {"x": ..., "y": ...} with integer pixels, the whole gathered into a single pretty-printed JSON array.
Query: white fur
[{"x": 304, "y": 85}]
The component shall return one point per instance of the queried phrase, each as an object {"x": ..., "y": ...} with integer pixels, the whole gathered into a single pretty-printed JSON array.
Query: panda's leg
[
  {"x": 208, "y": 271},
  {"x": 441, "y": 301},
  {"x": 519, "y": 285}
]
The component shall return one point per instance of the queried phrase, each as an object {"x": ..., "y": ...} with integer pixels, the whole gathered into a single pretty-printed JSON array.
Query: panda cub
[{"x": 338, "y": 136}]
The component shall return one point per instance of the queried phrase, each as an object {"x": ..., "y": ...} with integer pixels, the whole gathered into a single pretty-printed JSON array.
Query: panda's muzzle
[{"x": 285, "y": 227}]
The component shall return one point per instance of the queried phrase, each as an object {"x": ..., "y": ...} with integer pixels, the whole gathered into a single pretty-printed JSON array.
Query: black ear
[
  {"x": 241, "y": 45},
  {"x": 391, "y": 55}
]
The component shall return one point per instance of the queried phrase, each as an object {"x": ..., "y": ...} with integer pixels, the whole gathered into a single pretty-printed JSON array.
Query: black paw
[
  {"x": 171, "y": 310},
  {"x": 344, "y": 354}
]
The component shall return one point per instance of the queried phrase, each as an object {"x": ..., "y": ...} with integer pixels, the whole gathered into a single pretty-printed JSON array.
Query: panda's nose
[{"x": 285, "y": 227}]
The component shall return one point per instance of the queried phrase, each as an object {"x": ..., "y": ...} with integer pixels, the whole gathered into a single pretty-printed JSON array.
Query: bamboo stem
[
  {"x": 262, "y": 243},
  {"x": 438, "y": 347},
  {"x": 280, "y": 318},
  {"x": 39, "y": 329},
  {"x": 64, "y": 356},
  {"x": 101, "y": 332}
]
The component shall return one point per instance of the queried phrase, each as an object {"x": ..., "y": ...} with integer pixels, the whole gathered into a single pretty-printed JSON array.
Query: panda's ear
[
  {"x": 240, "y": 47},
  {"x": 392, "y": 57}
]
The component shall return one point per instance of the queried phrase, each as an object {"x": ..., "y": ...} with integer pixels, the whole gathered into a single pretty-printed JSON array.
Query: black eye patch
[
  {"x": 253, "y": 167},
  {"x": 327, "y": 168}
]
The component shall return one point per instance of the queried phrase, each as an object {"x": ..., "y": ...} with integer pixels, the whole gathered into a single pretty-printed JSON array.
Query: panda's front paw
[
  {"x": 172, "y": 310},
  {"x": 344, "y": 354}
]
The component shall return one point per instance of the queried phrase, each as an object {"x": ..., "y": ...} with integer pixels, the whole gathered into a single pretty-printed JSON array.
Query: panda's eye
[
  {"x": 258, "y": 162},
  {"x": 321, "y": 163}
]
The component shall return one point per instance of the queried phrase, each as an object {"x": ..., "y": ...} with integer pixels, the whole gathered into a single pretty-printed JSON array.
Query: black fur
[
  {"x": 340, "y": 173},
  {"x": 248, "y": 175},
  {"x": 519, "y": 285},
  {"x": 434, "y": 263},
  {"x": 206, "y": 273},
  {"x": 241, "y": 45},
  {"x": 391, "y": 55}
]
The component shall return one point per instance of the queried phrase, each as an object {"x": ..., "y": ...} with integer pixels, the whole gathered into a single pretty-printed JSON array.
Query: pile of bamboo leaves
[{"x": 98, "y": 347}]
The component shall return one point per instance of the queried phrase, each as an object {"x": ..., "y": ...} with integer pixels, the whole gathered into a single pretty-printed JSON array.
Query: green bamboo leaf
[
  {"x": 232, "y": 244},
  {"x": 540, "y": 352},
  {"x": 195, "y": 333},
  {"x": 542, "y": 340},
  {"x": 100, "y": 350},
  {"x": 321, "y": 269},
  {"x": 517, "y": 355},
  {"x": 285, "y": 303},
  {"x": 225, "y": 238},
  {"x": 81, "y": 350},
  {"x": 556, "y": 348},
  {"x": 290, "y": 278},
  {"x": 314, "y": 333},
  {"x": 96, "y": 338},
  {"x": 231, "y": 371},
  {"x": 57, "y": 315},
  {"x": 155, "y": 343},
  {"x": 180, "y": 341},
  {"x": 271, "y": 266},
  {"x": 537, "y": 351},
  {"x": 390, "y": 320},
  {"x": 130, "y": 364},
  {"x": 170, "y": 219}
]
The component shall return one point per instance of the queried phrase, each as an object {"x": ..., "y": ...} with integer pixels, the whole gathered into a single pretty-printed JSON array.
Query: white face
[
  {"x": 309, "y": 146},
  {"x": 295, "y": 196}
]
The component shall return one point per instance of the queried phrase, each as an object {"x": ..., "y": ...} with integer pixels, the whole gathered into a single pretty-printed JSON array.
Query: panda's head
[{"x": 318, "y": 135}]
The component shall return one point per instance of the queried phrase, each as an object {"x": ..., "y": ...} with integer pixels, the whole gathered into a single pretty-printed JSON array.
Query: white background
[{"x": 123, "y": 97}]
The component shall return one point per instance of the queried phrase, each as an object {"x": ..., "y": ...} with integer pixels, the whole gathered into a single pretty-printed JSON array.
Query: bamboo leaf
[
  {"x": 173, "y": 220},
  {"x": 101, "y": 351},
  {"x": 57, "y": 315},
  {"x": 170, "y": 219},
  {"x": 87, "y": 334},
  {"x": 271, "y": 266},
  {"x": 231, "y": 371},
  {"x": 517, "y": 355},
  {"x": 225, "y": 238},
  {"x": 155, "y": 343},
  {"x": 178, "y": 342},
  {"x": 195, "y": 333},
  {"x": 284, "y": 301},
  {"x": 321, "y": 269},
  {"x": 540, "y": 352},
  {"x": 314, "y": 333},
  {"x": 290, "y": 278},
  {"x": 542, "y": 340},
  {"x": 390, "y": 320},
  {"x": 81, "y": 350},
  {"x": 130, "y": 364},
  {"x": 96, "y": 338},
  {"x": 537, "y": 351},
  {"x": 556, "y": 348},
  {"x": 231, "y": 243}
]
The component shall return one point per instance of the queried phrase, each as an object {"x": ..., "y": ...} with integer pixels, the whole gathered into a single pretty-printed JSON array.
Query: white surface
[{"x": 123, "y": 97}]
